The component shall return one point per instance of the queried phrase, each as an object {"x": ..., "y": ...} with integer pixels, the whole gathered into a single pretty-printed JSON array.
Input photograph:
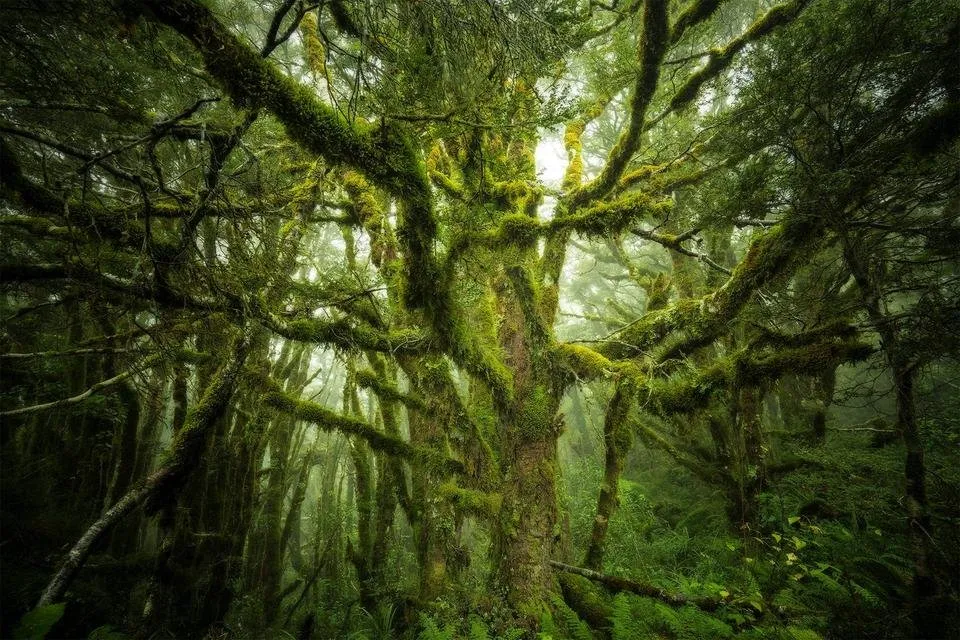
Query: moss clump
[
  {"x": 582, "y": 362},
  {"x": 614, "y": 216},
  {"x": 518, "y": 229},
  {"x": 328, "y": 420},
  {"x": 536, "y": 413},
  {"x": 365, "y": 206},
  {"x": 470, "y": 501},
  {"x": 316, "y": 53},
  {"x": 586, "y": 599},
  {"x": 351, "y": 335},
  {"x": 369, "y": 379}
]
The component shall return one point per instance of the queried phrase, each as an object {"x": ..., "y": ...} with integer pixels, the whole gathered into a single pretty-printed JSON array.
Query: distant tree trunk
[
  {"x": 753, "y": 466},
  {"x": 290, "y": 535},
  {"x": 791, "y": 392},
  {"x": 160, "y": 583},
  {"x": 824, "y": 386},
  {"x": 128, "y": 536},
  {"x": 271, "y": 517},
  {"x": 927, "y": 619},
  {"x": 162, "y": 486},
  {"x": 388, "y": 474},
  {"x": 433, "y": 519},
  {"x": 584, "y": 440},
  {"x": 617, "y": 439}
]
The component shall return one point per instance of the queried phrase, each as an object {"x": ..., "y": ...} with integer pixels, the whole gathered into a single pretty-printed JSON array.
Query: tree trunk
[
  {"x": 824, "y": 385},
  {"x": 927, "y": 619},
  {"x": 617, "y": 439},
  {"x": 527, "y": 528}
]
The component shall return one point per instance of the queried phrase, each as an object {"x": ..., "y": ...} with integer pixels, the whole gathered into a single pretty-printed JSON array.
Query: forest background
[{"x": 480, "y": 318}]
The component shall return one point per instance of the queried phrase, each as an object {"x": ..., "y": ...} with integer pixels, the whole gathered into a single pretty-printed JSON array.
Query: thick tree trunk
[{"x": 527, "y": 528}]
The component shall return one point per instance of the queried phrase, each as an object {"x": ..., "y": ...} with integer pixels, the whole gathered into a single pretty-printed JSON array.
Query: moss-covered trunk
[
  {"x": 527, "y": 530},
  {"x": 617, "y": 439}
]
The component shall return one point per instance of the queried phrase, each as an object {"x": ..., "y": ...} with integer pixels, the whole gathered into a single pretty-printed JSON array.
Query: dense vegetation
[{"x": 480, "y": 318}]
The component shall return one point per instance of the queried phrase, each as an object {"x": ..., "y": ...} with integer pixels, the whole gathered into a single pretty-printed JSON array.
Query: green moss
[
  {"x": 470, "y": 501},
  {"x": 191, "y": 439},
  {"x": 582, "y": 362},
  {"x": 614, "y": 216},
  {"x": 364, "y": 201},
  {"x": 699, "y": 321},
  {"x": 684, "y": 393},
  {"x": 351, "y": 335},
  {"x": 369, "y": 379},
  {"x": 328, "y": 420},
  {"x": 316, "y": 53},
  {"x": 518, "y": 229},
  {"x": 586, "y": 599},
  {"x": 446, "y": 184},
  {"x": 536, "y": 413},
  {"x": 385, "y": 155},
  {"x": 720, "y": 58}
]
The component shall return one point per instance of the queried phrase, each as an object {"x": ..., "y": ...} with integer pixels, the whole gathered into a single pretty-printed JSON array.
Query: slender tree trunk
[
  {"x": 753, "y": 465},
  {"x": 926, "y": 614},
  {"x": 617, "y": 439},
  {"x": 927, "y": 619}
]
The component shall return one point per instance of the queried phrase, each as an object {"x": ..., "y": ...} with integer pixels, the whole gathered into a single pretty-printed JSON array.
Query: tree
[{"x": 363, "y": 178}]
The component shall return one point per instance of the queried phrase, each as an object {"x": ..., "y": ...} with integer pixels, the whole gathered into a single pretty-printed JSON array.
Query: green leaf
[
  {"x": 793, "y": 520},
  {"x": 37, "y": 624},
  {"x": 107, "y": 632}
]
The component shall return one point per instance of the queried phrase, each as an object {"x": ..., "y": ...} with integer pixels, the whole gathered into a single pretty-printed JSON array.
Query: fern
[
  {"x": 628, "y": 620},
  {"x": 478, "y": 630},
  {"x": 37, "y": 623},
  {"x": 798, "y": 633},
  {"x": 430, "y": 630},
  {"x": 638, "y": 618},
  {"x": 568, "y": 623},
  {"x": 107, "y": 632}
]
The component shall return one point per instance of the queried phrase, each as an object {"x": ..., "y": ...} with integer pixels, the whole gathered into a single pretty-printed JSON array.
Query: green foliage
[
  {"x": 377, "y": 177},
  {"x": 636, "y": 617},
  {"x": 107, "y": 632},
  {"x": 560, "y": 622},
  {"x": 473, "y": 627},
  {"x": 36, "y": 624}
]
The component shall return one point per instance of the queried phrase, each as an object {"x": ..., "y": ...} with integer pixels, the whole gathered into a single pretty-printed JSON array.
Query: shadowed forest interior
[{"x": 438, "y": 319}]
